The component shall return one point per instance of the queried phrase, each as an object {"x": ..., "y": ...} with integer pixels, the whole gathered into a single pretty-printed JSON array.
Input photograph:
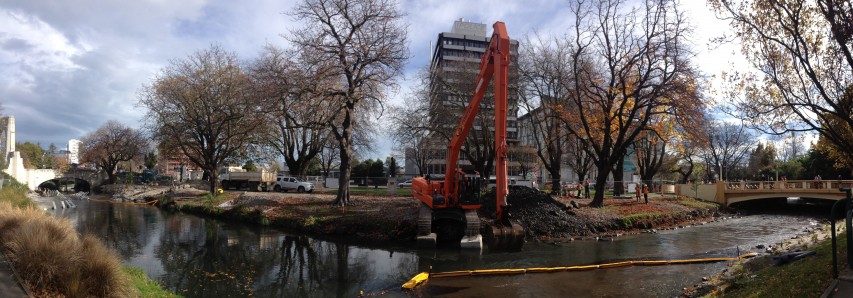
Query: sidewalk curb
[{"x": 828, "y": 290}]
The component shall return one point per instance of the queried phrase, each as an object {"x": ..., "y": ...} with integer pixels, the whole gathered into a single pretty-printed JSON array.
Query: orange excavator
[{"x": 449, "y": 210}]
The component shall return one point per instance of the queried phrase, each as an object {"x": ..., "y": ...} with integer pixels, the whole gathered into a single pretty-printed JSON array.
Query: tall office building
[
  {"x": 454, "y": 66},
  {"x": 74, "y": 151}
]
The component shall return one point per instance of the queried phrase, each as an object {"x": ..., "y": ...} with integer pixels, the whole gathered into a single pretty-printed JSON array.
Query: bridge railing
[{"x": 802, "y": 185}]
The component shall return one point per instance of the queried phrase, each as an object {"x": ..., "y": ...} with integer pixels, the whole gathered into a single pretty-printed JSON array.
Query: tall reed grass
[{"x": 55, "y": 261}]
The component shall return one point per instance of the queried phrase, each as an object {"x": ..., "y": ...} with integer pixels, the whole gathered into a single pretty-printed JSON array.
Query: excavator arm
[{"x": 495, "y": 63}]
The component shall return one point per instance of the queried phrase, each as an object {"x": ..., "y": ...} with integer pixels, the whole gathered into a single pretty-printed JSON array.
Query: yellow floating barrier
[{"x": 423, "y": 277}]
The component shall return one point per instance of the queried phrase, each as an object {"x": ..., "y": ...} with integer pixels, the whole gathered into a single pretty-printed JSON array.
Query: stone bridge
[{"x": 727, "y": 193}]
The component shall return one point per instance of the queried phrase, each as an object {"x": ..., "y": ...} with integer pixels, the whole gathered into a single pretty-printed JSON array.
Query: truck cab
[{"x": 285, "y": 183}]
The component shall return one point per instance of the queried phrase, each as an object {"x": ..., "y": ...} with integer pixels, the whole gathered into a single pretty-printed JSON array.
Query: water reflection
[{"x": 200, "y": 257}]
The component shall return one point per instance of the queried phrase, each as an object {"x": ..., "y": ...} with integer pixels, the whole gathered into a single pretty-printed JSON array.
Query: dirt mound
[{"x": 539, "y": 214}]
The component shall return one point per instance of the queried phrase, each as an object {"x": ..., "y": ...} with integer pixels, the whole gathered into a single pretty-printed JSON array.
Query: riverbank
[
  {"x": 52, "y": 260},
  {"x": 392, "y": 218},
  {"x": 765, "y": 277}
]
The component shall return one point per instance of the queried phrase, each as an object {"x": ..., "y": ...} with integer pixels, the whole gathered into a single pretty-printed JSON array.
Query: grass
[
  {"x": 807, "y": 277},
  {"x": 146, "y": 286},
  {"x": 16, "y": 195},
  {"x": 690, "y": 202},
  {"x": 52, "y": 259},
  {"x": 630, "y": 219}
]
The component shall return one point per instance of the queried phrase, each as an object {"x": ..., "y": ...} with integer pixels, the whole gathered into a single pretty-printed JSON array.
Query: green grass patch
[
  {"x": 15, "y": 193},
  {"x": 631, "y": 219},
  {"x": 689, "y": 202},
  {"x": 146, "y": 286},
  {"x": 807, "y": 277}
]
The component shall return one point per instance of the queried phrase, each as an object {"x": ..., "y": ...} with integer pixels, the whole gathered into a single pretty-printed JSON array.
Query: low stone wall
[{"x": 705, "y": 192}]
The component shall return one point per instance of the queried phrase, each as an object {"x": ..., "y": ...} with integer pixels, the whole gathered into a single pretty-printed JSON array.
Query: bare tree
[
  {"x": 544, "y": 76},
  {"x": 649, "y": 152},
  {"x": 801, "y": 51},
  {"x": 111, "y": 144},
  {"x": 361, "y": 45},
  {"x": 204, "y": 106},
  {"x": 728, "y": 144},
  {"x": 579, "y": 159},
  {"x": 628, "y": 65},
  {"x": 410, "y": 127},
  {"x": 295, "y": 126}
]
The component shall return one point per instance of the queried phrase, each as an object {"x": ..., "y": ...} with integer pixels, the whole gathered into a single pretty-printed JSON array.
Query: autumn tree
[
  {"x": 800, "y": 51},
  {"x": 544, "y": 76},
  {"x": 110, "y": 145},
  {"x": 203, "y": 108},
  {"x": 294, "y": 126},
  {"x": 360, "y": 45},
  {"x": 628, "y": 66}
]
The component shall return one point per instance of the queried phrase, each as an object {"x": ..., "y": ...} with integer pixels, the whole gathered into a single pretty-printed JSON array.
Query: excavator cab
[{"x": 469, "y": 186}]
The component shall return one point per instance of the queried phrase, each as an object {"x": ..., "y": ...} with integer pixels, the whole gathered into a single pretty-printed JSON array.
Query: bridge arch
[{"x": 66, "y": 184}]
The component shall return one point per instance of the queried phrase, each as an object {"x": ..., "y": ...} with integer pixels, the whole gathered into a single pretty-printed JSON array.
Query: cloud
[{"x": 67, "y": 67}]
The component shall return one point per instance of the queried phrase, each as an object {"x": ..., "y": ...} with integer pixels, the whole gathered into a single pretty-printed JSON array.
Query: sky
[{"x": 67, "y": 67}]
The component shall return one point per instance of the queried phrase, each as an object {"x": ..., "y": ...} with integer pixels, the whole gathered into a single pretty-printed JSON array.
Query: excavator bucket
[{"x": 502, "y": 237}]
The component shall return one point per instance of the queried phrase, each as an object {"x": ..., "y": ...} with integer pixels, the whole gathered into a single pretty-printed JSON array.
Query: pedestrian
[
  {"x": 784, "y": 182},
  {"x": 637, "y": 191},
  {"x": 579, "y": 187},
  {"x": 817, "y": 181},
  {"x": 586, "y": 187},
  {"x": 646, "y": 192}
]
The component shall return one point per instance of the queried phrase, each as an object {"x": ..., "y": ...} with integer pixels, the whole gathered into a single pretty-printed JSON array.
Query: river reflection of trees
[
  {"x": 204, "y": 258},
  {"x": 201, "y": 257}
]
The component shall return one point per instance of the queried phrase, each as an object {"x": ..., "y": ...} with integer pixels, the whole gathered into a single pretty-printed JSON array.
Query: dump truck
[{"x": 238, "y": 178}]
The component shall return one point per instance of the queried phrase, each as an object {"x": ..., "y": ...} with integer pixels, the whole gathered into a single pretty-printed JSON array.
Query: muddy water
[{"x": 200, "y": 257}]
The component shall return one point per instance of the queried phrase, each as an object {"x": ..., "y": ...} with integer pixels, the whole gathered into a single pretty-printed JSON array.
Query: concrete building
[
  {"x": 74, "y": 151},
  {"x": 454, "y": 65}
]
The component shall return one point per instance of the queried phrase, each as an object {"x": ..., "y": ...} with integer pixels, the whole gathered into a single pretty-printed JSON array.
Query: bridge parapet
[{"x": 791, "y": 185}]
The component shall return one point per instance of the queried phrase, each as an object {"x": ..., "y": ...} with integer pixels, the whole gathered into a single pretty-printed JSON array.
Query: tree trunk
[
  {"x": 618, "y": 183},
  {"x": 345, "y": 144},
  {"x": 555, "y": 183},
  {"x": 212, "y": 181},
  {"x": 600, "y": 184}
]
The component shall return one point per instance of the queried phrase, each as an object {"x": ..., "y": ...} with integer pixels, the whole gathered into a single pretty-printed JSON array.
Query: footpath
[
  {"x": 9, "y": 285},
  {"x": 840, "y": 287}
]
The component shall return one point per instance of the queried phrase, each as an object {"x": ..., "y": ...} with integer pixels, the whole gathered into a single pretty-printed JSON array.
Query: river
[{"x": 200, "y": 257}]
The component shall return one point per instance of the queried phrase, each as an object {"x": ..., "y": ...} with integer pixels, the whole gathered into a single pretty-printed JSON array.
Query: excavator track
[
  {"x": 472, "y": 223},
  {"x": 424, "y": 220}
]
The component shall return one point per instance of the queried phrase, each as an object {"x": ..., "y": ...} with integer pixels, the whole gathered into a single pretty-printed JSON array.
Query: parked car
[
  {"x": 407, "y": 183},
  {"x": 291, "y": 183}
]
